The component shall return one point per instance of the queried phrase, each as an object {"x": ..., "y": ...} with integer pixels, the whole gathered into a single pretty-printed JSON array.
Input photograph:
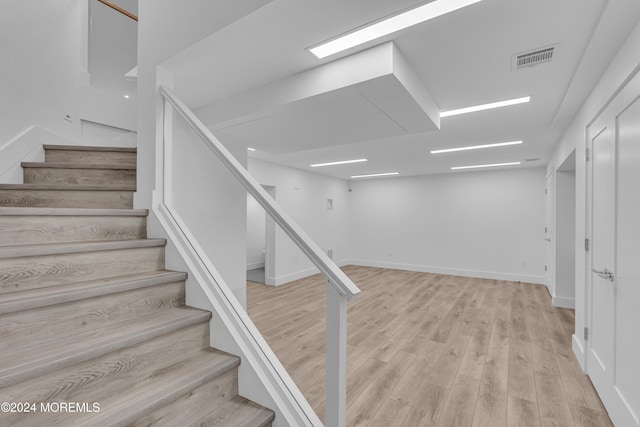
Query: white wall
[
  {"x": 113, "y": 43},
  {"x": 625, "y": 63},
  {"x": 256, "y": 234},
  {"x": 304, "y": 196},
  {"x": 43, "y": 75},
  {"x": 42, "y": 53},
  {"x": 482, "y": 224},
  {"x": 211, "y": 203}
]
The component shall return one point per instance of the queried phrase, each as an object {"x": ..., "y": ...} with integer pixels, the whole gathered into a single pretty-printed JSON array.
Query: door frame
[{"x": 549, "y": 234}]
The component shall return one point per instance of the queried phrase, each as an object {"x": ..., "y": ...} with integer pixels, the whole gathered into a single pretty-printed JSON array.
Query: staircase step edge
[
  {"x": 37, "y": 165},
  {"x": 90, "y": 148},
  {"x": 262, "y": 419},
  {"x": 66, "y": 187},
  {"x": 69, "y": 248},
  {"x": 20, "y": 211}
]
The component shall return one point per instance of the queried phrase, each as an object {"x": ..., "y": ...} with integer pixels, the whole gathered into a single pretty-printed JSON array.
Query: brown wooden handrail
[{"x": 119, "y": 9}]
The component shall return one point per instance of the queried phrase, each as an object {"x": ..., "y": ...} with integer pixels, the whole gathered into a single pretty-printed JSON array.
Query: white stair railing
[{"x": 340, "y": 289}]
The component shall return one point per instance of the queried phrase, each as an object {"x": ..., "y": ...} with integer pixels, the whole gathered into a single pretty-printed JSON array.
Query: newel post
[{"x": 336, "y": 367}]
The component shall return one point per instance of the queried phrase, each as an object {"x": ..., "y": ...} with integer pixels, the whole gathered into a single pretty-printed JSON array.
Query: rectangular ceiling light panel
[
  {"x": 374, "y": 174},
  {"x": 482, "y": 107},
  {"x": 475, "y": 147},
  {"x": 388, "y": 26},
  {"x": 342, "y": 162},
  {"x": 485, "y": 166}
]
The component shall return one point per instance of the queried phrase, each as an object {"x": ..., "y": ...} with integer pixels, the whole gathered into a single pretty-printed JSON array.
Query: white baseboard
[
  {"x": 563, "y": 302},
  {"x": 286, "y": 278},
  {"x": 578, "y": 351},
  {"x": 254, "y": 265},
  {"x": 453, "y": 271}
]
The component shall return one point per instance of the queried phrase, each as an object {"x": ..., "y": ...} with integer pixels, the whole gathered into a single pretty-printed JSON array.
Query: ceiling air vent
[{"x": 529, "y": 59}]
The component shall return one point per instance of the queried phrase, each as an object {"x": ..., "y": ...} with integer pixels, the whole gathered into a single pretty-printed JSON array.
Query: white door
[
  {"x": 614, "y": 342},
  {"x": 600, "y": 355},
  {"x": 548, "y": 236}
]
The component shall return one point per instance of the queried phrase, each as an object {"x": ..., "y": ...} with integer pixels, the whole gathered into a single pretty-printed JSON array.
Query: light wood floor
[{"x": 434, "y": 350}]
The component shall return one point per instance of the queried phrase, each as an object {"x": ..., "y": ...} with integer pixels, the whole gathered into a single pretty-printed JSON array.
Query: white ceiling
[{"x": 462, "y": 59}]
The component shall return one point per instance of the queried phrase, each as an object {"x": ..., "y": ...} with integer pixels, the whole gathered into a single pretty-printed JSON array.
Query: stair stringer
[{"x": 261, "y": 376}]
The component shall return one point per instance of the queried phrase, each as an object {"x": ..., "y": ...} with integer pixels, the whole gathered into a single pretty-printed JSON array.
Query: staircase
[{"x": 93, "y": 329}]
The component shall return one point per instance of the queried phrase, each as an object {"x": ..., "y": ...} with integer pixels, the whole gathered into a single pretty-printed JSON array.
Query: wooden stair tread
[
  {"x": 71, "y": 212},
  {"x": 239, "y": 412},
  {"x": 133, "y": 380},
  {"x": 76, "y": 166},
  {"x": 67, "y": 187},
  {"x": 42, "y": 358},
  {"x": 202, "y": 368},
  {"x": 90, "y": 148},
  {"x": 42, "y": 297},
  {"x": 69, "y": 248}
]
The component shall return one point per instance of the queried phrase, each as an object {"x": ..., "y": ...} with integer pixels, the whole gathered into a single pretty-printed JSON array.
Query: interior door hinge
[
  {"x": 545, "y": 268},
  {"x": 586, "y": 154},
  {"x": 586, "y": 244},
  {"x": 586, "y": 334}
]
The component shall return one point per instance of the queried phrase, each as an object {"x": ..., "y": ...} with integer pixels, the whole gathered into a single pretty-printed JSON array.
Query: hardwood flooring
[{"x": 433, "y": 350}]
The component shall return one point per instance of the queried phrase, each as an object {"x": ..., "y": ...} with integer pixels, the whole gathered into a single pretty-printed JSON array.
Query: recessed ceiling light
[
  {"x": 485, "y": 106},
  {"x": 251, "y": 149},
  {"x": 389, "y": 25},
  {"x": 475, "y": 147},
  {"x": 485, "y": 166},
  {"x": 374, "y": 174},
  {"x": 126, "y": 96},
  {"x": 342, "y": 162}
]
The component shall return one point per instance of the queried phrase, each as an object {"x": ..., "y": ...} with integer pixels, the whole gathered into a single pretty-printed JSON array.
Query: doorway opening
[
  {"x": 260, "y": 241},
  {"x": 565, "y": 233}
]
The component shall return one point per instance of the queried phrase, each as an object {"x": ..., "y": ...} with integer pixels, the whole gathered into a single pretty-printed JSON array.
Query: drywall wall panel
[{"x": 482, "y": 224}]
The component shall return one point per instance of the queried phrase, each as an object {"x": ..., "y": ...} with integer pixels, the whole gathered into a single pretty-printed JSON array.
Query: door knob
[{"x": 605, "y": 274}]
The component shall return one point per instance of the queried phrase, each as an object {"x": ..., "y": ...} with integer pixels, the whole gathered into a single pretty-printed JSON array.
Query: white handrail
[
  {"x": 340, "y": 289},
  {"x": 340, "y": 281}
]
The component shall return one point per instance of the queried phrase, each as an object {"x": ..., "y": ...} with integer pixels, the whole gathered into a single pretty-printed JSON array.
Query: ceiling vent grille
[{"x": 530, "y": 59}]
